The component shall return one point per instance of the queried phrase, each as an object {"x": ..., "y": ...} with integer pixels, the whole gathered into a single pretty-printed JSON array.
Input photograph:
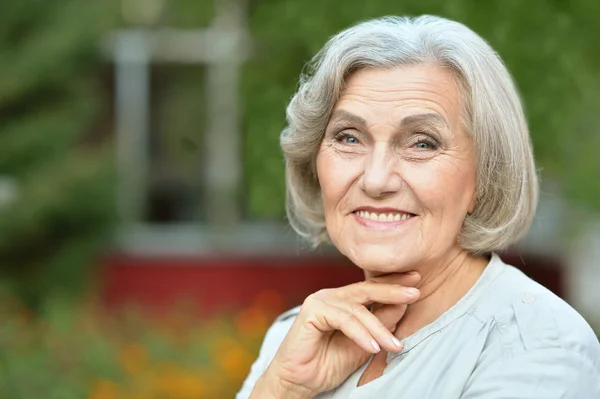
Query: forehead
[{"x": 402, "y": 91}]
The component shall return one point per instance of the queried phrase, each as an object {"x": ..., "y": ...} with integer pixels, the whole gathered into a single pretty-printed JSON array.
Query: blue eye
[
  {"x": 426, "y": 144},
  {"x": 350, "y": 140},
  {"x": 346, "y": 138}
]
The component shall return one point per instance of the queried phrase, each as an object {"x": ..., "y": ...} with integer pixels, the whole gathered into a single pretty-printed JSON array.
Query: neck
[{"x": 443, "y": 283}]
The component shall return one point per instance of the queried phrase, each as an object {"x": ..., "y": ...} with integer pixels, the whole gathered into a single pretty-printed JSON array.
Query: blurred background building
[{"x": 143, "y": 244}]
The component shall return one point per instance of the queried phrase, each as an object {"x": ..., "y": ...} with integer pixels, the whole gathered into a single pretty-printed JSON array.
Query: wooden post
[
  {"x": 223, "y": 156},
  {"x": 132, "y": 57},
  {"x": 222, "y": 47}
]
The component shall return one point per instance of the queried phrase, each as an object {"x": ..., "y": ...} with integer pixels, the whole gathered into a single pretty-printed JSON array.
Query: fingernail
[
  {"x": 412, "y": 291},
  {"x": 375, "y": 345},
  {"x": 396, "y": 342}
]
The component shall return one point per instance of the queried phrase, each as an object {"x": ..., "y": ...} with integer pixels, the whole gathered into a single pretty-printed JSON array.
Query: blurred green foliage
[{"x": 50, "y": 100}]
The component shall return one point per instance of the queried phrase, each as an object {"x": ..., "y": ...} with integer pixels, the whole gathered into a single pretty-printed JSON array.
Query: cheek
[
  {"x": 335, "y": 179},
  {"x": 443, "y": 189}
]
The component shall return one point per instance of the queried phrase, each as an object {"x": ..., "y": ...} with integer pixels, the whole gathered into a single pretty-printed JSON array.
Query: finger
[
  {"x": 335, "y": 318},
  {"x": 368, "y": 292},
  {"x": 376, "y": 328},
  {"x": 380, "y": 320},
  {"x": 390, "y": 315}
]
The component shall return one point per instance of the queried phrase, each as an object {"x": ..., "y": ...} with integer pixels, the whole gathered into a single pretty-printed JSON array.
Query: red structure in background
[{"x": 216, "y": 284}]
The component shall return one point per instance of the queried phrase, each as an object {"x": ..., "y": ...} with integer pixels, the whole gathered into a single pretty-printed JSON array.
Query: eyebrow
[{"x": 343, "y": 115}]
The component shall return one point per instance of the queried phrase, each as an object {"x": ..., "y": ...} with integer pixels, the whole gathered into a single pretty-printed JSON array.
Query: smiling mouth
[{"x": 383, "y": 217}]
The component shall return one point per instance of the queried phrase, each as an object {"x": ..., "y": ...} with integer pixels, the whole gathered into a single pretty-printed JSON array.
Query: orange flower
[
  {"x": 271, "y": 301},
  {"x": 178, "y": 383},
  {"x": 133, "y": 358},
  {"x": 233, "y": 358},
  {"x": 253, "y": 321},
  {"x": 104, "y": 389}
]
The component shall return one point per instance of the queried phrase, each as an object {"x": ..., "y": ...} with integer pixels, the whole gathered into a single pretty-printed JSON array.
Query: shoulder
[
  {"x": 277, "y": 332},
  {"x": 537, "y": 345},
  {"x": 547, "y": 372},
  {"x": 523, "y": 316}
]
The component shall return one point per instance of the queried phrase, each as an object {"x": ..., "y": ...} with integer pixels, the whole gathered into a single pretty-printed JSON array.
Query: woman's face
[{"x": 397, "y": 168}]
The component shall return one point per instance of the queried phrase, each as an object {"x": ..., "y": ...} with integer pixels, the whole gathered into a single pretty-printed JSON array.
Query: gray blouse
[{"x": 508, "y": 337}]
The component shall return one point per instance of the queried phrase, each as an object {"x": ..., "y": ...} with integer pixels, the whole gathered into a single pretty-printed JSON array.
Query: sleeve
[
  {"x": 273, "y": 339},
  {"x": 548, "y": 373}
]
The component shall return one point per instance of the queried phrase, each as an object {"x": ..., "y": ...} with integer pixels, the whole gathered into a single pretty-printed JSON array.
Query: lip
[
  {"x": 375, "y": 224},
  {"x": 380, "y": 210}
]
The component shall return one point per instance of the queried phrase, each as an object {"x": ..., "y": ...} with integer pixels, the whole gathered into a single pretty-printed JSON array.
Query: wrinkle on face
[{"x": 377, "y": 135}]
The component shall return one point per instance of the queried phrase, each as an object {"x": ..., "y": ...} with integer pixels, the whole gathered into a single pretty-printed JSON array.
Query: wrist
[{"x": 269, "y": 386}]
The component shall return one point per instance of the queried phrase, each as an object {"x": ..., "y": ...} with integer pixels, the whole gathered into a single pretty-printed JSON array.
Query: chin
[{"x": 380, "y": 260}]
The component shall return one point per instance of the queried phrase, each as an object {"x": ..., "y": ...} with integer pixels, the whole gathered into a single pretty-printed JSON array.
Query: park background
[{"x": 143, "y": 244}]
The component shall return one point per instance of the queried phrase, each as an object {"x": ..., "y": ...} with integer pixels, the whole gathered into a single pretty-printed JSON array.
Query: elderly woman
[{"x": 408, "y": 150}]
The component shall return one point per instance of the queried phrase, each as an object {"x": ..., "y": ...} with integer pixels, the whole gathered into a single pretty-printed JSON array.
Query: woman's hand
[{"x": 334, "y": 334}]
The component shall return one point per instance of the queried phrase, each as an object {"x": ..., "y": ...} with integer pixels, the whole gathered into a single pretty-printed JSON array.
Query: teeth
[{"x": 383, "y": 217}]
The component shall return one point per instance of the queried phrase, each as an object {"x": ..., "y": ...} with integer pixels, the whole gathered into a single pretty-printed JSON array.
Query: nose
[{"x": 380, "y": 177}]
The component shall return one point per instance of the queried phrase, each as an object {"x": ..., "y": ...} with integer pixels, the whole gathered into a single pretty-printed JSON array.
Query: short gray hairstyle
[{"x": 506, "y": 186}]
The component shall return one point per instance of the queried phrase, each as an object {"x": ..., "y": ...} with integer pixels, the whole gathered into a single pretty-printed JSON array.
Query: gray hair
[{"x": 506, "y": 187}]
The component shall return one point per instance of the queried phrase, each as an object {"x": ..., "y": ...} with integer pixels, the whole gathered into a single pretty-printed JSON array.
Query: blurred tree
[
  {"x": 550, "y": 47},
  {"x": 50, "y": 99}
]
